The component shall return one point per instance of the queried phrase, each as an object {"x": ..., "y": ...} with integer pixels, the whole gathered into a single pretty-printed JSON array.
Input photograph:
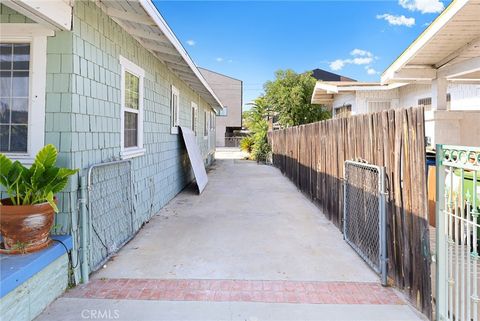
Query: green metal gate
[{"x": 458, "y": 233}]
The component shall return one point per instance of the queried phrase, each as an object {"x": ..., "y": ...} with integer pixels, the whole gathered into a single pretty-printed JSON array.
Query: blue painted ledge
[{"x": 16, "y": 269}]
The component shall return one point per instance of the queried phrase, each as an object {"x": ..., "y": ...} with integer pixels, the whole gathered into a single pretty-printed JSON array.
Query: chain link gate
[
  {"x": 364, "y": 226},
  {"x": 110, "y": 210},
  {"x": 458, "y": 233}
]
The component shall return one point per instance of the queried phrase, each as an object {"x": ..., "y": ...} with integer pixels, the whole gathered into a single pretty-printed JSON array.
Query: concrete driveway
[{"x": 251, "y": 247}]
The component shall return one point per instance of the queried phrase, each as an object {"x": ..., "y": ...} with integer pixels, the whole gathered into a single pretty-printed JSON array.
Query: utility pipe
[{"x": 84, "y": 243}]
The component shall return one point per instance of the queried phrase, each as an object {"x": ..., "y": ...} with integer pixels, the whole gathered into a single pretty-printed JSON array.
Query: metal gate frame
[
  {"x": 382, "y": 222},
  {"x": 90, "y": 214},
  {"x": 450, "y": 238}
]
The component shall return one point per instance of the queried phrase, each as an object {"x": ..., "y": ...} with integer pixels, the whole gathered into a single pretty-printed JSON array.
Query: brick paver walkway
[{"x": 237, "y": 291}]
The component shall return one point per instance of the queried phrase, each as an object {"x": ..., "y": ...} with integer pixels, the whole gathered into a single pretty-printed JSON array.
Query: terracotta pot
[{"x": 25, "y": 228}]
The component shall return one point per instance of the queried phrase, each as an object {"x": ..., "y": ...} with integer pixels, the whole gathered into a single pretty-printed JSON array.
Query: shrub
[
  {"x": 37, "y": 184},
  {"x": 246, "y": 144}
]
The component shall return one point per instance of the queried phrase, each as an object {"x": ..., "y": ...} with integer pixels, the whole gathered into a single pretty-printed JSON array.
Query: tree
[
  {"x": 256, "y": 121},
  {"x": 290, "y": 95}
]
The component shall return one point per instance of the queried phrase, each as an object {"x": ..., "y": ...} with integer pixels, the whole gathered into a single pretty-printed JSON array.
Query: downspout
[{"x": 84, "y": 243}]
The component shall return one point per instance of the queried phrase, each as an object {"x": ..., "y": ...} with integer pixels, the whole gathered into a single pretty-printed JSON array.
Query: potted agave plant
[{"x": 27, "y": 214}]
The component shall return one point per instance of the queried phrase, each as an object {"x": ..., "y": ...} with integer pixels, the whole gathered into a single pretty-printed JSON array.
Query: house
[
  {"x": 230, "y": 91},
  {"x": 440, "y": 70},
  {"x": 103, "y": 81},
  {"x": 324, "y": 75}
]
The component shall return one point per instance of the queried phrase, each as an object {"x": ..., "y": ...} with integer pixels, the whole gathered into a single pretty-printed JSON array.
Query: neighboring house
[
  {"x": 102, "y": 81},
  {"x": 320, "y": 74},
  {"x": 436, "y": 72},
  {"x": 230, "y": 91}
]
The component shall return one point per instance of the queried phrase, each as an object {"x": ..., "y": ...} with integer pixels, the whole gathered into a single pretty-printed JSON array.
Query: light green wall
[
  {"x": 30, "y": 298},
  {"x": 93, "y": 128},
  {"x": 8, "y": 15},
  {"x": 83, "y": 113}
]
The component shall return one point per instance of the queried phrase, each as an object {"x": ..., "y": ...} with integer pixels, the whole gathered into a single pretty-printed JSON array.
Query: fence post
[
  {"x": 441, "y": 248},
  {"x": 383, "y": 225}
]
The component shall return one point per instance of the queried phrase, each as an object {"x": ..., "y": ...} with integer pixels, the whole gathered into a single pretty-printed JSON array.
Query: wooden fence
[{"x": 313, "y": 155}]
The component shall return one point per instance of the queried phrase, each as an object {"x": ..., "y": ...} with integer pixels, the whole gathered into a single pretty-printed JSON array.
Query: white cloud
[
  {"x": 337, "y": 64},
  {"x": 361, "y": 60},
  {"x": 424, "y": 6},
  {"x": 191, "y": 42},
  {"x": 370, "y": 70},
  {"x": 360, "y": 57},
  {"x": 219, "y": 59},
  {"x": 361, "y": 52},
  {"x": 397, "y": 20}
]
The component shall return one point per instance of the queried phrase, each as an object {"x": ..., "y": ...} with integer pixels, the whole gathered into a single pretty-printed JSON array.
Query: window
[
  {"x": 205, "y": 124},
  {"x": 425, "y": 102},
  {"x": 14, "y": 96},
  {"x": 223, "y": 112},
  {"x": 174, "y": 111},
  {"x": 132, "y": 109},
  {"x": 194, "y": 117},
  {"x": 378, "y": 106},
  {"x": 23, "y": 60},
  {"x": 343, "y": 112},
  {"x": 212, "y": 121}
]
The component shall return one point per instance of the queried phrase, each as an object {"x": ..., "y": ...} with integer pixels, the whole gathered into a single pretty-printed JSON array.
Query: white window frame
[
  {"x": 206, "y": 123},
  {"x": 130, "y": 67},
  {"x": 37, "y": 37},
  {"x": 176, "y": 124},
  {"x": 212, "y": 121},
  {"x": 194, "y": 115}
]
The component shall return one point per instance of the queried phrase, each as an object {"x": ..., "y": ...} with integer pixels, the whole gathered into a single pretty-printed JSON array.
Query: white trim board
[
  {"x": 36, "y": 101},
  {"x": 130, "y": 67}
]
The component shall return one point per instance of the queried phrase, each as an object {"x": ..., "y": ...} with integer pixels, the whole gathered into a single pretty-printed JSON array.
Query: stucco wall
[
  {"x": 453, "y": 127},
  {"x": 229, "y": 91},
  {"x": 344, "y": 99},
  {"x": 410, "y": 94},
  {"x": 363, "y": 97},
  {"x": 464, "y": 96}
]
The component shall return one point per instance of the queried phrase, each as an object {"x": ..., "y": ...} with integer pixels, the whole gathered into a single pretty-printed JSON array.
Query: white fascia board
[
  {"x": 11, "y": 30},
  {"x": 373, "y": 87},
  {"x": 57, "y": 14},
  {"x": 321, "y": 86},
  {"x": 422, "y": 40},
  {"x": 161, "y": 23}
]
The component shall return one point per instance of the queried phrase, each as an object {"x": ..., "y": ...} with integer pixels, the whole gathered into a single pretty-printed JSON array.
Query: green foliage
[
  {"x": 37, "y": 184},
  {"x": 256, "y": 122},
  {"x": 290, "y": 95},
  {"x": 246, "y": 144}
]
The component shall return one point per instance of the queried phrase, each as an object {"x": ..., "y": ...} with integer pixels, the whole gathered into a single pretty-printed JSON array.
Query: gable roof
[{"x": 320, "y": 74}]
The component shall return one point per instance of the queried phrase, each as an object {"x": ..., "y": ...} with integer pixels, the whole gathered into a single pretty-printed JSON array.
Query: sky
[{"x": 250, "y": 40}]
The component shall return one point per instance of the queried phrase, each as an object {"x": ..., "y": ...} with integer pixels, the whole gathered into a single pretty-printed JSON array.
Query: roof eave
[
  {"x": 391, "y": 74},
  {"x": 161, "y": 23}
]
